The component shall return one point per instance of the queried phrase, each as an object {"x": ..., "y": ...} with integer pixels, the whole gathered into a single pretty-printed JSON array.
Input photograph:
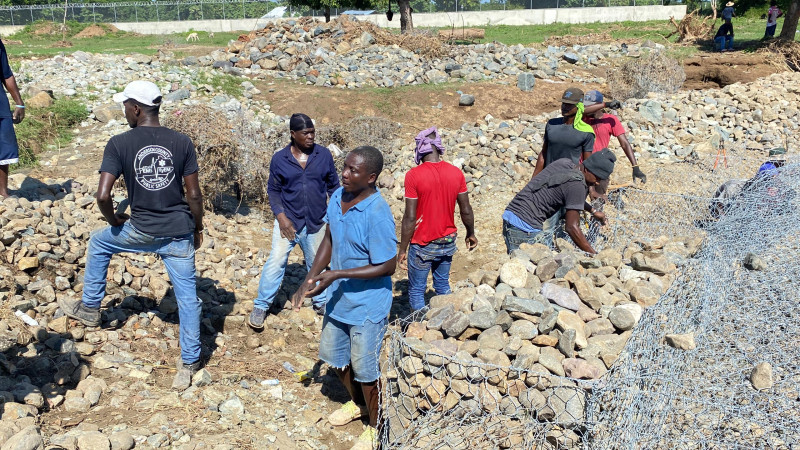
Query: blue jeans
[
  {"x": 275, "y": 267},
  {"x": 421, "y": 260},
  {"x": 515, "y": 237},
  {"x": 341, "y": 344},
  {"x": 721, "y": 41},
  {"x": 770, "y": 31},
  {"x": 178, "y": 256}
]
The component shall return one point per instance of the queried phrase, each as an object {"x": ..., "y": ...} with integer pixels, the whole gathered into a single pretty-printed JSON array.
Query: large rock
[
  {"x": 568, "y": 405},
  {"x": 652, "y": 112},
  {"x": 26, "y": 439},
  {"x": 514, "y": 273},
  {"x": 40, "y": 100},
  {"x": 621, "y": 318},
  {"x": 531, "y": 306},
  {"x": 579, "y": 368},
  {"x": 526, "y": 81},
  {"x": 466, "y": 100},
  {"x": 232, "y": 406},
  {"x": 454, "y": 325},
  {"x": 563, "y": 297},
  {"x": 652, "y": 262},
  {"x": 93, "y": 440},
  {"x": 28, "y": 263},
  {"x": 523, "y": 329},
  {"x": 483, "y": 318},
  {"x": 681, "y": 341},
  {"x": 492, "y": 339},
  {"x": 107, "y": 113},
  {"x": 761, "y": 376}
]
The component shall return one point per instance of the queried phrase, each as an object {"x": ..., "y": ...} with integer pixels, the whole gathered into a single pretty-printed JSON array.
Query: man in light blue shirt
[{"x": 360, "y": 245}]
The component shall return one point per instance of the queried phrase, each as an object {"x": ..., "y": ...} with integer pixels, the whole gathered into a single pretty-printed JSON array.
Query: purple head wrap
[{"x": 426, "y": 145}]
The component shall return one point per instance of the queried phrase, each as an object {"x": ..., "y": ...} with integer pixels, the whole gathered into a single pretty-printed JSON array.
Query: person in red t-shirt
[
  {"x": 605, "y": 126},
  {"x": 428, "y": 236}
]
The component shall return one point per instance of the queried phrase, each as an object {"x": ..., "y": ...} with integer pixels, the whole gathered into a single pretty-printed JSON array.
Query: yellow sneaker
[
  {"x": 368, "y": 440},
  {"x": 347, "y": 413}
]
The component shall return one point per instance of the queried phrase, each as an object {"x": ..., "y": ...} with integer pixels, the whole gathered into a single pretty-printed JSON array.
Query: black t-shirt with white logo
[{"x": 154, "y": 161}]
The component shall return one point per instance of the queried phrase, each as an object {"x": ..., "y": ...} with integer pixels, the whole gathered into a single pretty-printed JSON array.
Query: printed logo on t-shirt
[{"x": 154, "y": 168}]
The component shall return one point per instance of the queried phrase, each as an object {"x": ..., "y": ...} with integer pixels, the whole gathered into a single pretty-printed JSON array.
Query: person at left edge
[{"x": 9, "y": 150}]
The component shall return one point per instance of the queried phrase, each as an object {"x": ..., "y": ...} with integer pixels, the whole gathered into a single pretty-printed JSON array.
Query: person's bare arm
[
  {"x": 540, "y": 160},
  {"x": 407, "y": 230},
  {"x": 12, "y": 88},
  {"x": 194, "y": 197},
  {"x": 628, "y": 149},
  {"x": 468, "y": 219},
  {"x": 105, "y": 201},
  {"x": 573, "y": 229},
  {"x": 324, "y": 279}
]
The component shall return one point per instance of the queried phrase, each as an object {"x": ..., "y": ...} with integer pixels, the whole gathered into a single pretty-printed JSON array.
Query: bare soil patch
[
  {"x": 715, "y": 70},
  {"x": 95, "y": 30},
  {"x": 416, "y": 108}
]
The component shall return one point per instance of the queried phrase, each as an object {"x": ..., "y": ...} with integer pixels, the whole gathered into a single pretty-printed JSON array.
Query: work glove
[
  {"x": 637, "y": 173},
  {"x": 614, "y": 104}
]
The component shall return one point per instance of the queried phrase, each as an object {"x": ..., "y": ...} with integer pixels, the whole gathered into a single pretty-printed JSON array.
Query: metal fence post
[
  {"x": 223, "y": 10},
  {"x": 115, "y": 12},
  {"x": 31, "y": 11},
  {"x": 157, "y": 18},
  {"x": 136, "y": 12},
  {"x": 243, "y": 13},
  {"x": 179, "y": 11},
  {"x": 201, "y": 12},
  {"x": 94, "y": 18}
]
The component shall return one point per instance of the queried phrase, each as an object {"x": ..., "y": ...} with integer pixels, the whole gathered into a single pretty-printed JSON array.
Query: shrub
[
  {"x": 50, "y": 126},
  {"x": 654, "y": 72}
]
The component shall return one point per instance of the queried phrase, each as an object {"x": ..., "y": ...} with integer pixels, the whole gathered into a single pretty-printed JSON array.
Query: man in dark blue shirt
[
  {"x": 301, "y": 178},
  {"x": 9, "y": 151}
]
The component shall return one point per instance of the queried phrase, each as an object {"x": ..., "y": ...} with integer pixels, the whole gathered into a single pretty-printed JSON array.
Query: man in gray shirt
[
  {"x": 562, "y": 184},
  {"x": 567, "y": 136}
]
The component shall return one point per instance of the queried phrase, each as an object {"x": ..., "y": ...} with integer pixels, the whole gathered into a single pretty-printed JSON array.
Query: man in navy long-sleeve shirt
[{"x": 302, "y": 176}]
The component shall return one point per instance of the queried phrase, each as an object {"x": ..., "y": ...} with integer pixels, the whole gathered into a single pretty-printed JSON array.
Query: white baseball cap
[{"x": 144, "y": 92}]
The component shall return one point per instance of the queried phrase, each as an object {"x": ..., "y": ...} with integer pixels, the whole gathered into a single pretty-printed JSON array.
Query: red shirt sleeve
[
  {"x": 411, "y": 185},
  {"x": 616, "y": 127},
  {"x": 462, "y": 188}
]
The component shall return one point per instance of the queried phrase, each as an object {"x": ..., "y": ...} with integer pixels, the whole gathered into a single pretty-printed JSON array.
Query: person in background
[
  {"x": 361, "y": 247},
  {"x": 772, "y": 19},
  {"x": 723, "y": 40},
  {"x": 9, "y": 149},
  {"x": 302, "y": 176},
  {"x": 428, "y": 229}
]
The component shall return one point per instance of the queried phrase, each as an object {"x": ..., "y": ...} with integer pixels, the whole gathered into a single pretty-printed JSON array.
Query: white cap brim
[{"x": 120, "y": 97}]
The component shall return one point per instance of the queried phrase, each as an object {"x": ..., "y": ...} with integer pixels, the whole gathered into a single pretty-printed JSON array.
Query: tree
[
  {"x": 406, "y": 23},
  {"x": 790, "y": 23}
]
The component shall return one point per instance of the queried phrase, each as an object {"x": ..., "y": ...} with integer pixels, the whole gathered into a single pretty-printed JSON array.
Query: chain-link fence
[{"x": 160, "y": 11}]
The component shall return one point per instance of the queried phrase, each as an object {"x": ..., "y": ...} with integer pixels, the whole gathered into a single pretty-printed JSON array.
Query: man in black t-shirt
[
  {"x": 562, "y": 184},
  {"x": 159, "y": 166}
]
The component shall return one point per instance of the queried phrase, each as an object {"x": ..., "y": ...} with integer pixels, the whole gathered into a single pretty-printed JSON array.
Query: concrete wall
[{"x": 441, "y": 19}]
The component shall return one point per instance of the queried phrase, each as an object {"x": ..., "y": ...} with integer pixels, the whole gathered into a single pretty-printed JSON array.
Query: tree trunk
[
  {"x": 790, "y": 23},
  {"x": 406, "y": 24},
  {"x": 327, "y": 14}
]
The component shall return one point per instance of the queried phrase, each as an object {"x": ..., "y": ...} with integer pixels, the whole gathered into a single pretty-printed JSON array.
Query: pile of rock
[
  {"x": 48, "y": 362},
  {"x": 506, "y": 344},
  {"x": 325, "y": 55}
]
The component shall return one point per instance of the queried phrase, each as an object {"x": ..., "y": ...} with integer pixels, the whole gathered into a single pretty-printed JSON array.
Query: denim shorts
[{"x": 342, "y": 344}]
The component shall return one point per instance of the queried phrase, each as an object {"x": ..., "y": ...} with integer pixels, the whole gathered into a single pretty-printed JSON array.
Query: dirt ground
[
  {"x": 711, "y": 70},
  {"x": 420, "y": 107}
]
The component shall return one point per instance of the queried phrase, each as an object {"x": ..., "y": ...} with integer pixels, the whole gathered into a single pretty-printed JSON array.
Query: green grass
[
  {"x": 224, "y": 83},
  {"x": 113, "y": 42},
  {"x": 746, "y": 29},
  {"x": 47, "y": 128}
]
